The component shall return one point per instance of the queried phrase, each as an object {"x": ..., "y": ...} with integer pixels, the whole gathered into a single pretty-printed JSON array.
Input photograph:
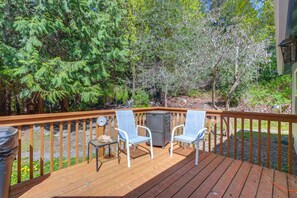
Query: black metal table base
[{"x": 97, "y": 144}]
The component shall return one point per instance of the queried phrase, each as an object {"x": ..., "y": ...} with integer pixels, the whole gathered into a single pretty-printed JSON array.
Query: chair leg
[
  {"x": 151, "y": 145},
  {"x": 128, "y": 154},
  {"x": 197, "y": 153},
  {"x": 203, "y": 147},
  {"x": 171, "y": 147}
]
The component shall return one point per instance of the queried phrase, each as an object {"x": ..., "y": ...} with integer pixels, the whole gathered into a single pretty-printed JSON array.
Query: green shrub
[
  {"x": 276, "y": 92},
  {"x": 141, "y": 99},
  {"x": 194, "y": 93}
]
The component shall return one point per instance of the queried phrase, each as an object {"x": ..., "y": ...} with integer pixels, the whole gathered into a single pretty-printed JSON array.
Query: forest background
[{"x": 67, "y": 55}]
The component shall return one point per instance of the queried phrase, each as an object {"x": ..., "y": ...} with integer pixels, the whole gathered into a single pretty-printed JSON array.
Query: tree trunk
[
  {"x": 213, "y": 83},
  {"x": 236, "y": 80},
  {"x": 213, "y": 90},
  {"x": 2, "y": 99},
  {"x": 165, "y": 98},
  {"x": 40, "y": 105},
  {"x": 17, "y": 105},
  {"x": 133, "y": 80},
  {"x": 231, "y": 92},
  {"x": 64, "y": 105},
  {"x": 7, "y": 102}
]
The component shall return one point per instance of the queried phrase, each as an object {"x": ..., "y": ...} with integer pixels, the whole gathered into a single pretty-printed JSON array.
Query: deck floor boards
[{"x": 164, "y": 176}]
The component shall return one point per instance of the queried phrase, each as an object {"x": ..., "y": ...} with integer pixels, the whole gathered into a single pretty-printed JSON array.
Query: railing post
[
  {"x": 42, "y": 149},
  {"x": 268, "y": 144},
  {"x": 61, "y": 145},
  {"x": 221, "y": 135},
  {"x": 51, "y": 147},
  {"x": 215, "y": 134},
  {"x": 242, "y": 139},
  {"x": 259, "y": 142},
  {"x": 69, "y": 143},
  {"x": 279, "y": 149},
  {"x": 84, "y": 141},
  {"x": 20, "y": 155},
  {"x": 290, "y": 148},
  {"x": 76, "y": 142},
  {"x": 235, "y": 138},
  {"x": 209, "y": 134},
  {"x": 228, "y": 136},
  {"x": 91, "y": 137},
  {"x": 251, "y": 141}
]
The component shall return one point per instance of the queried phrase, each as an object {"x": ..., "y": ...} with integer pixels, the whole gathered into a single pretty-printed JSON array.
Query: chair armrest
[
  {"x": 147, "y": 129},
  {"x": 173, "y": 130},
  {"x": 124, "y": 132},
  {"x": 202, "y": 130}
]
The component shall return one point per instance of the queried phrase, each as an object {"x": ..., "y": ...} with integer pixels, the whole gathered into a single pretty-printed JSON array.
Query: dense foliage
[
  {"x": 70, "y": 55},
  {"x": 57, "y": 50}
]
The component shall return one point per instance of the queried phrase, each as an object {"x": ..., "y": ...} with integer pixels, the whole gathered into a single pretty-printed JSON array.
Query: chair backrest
[
  {"x": 126, "y": 122},
  {"x": 194, "y": 122}
]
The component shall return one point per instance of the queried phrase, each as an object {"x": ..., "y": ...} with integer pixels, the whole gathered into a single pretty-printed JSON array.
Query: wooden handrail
[
  {"x": 221, "y": 126},
  {"x": 60, "y": 117},
  {"x": 71, "y": 116}
]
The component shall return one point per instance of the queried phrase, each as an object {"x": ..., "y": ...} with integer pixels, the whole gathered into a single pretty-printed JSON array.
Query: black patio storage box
[
  {"x": 8, "y": 149},
  {"x": 159, "y": 124}
]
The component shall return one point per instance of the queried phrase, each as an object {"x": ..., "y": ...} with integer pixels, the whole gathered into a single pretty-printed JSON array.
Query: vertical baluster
[
  {"x": 235, "y": 138},
  {"x": 76, "y": 142},
  {"x": 221, "y": 135},
  {"x": 61, "y": 145},
  {"x": 105, "y": 132},
  {"x": 101, "y": 132},
  {"x": 69, "y": 143},
  {"x": 215, "y": 134},
  {"x": 91, "y": 137},
  {"x": 242, "y": 139},
  {"x": 171, "y": 121},
  {"x": 178, "y": 123},
  {"x": 251, "y": 141},
  {"x": 31, "y": 151},
  {"x": 259, "y": 142},
  {"x": 97, "y": 130},
  {"x": 290, "y": 148},
  {"x": 209, "y": 134},
  {"x": 84, "y": 141},
  {"x": 109, "y": 126},
  {"x": 175, "y": 119},
  {"x": 143, "y": 119},
  {"x": 51, "y": 147},
  {"x": 279, "y": 148},
  {"x": 41, "y": 149},
  {"x": 109, "y": 131},
  {"x": 114, "y": 134},
  {"x": 228, "y": 136},
  {"x": 136, "y": 118},
  {"x": 268, "y": 144},
  {"x": 20, "y": 155}
]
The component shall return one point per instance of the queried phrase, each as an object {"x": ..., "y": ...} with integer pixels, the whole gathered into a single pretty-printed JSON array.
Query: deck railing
[{"x": 48, "y": 142}]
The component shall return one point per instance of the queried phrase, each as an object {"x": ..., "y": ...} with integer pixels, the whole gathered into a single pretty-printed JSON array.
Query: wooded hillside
[{"x": 77, "y": 55}]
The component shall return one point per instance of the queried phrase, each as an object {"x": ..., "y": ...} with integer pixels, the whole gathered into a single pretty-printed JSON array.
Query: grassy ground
[{"x": 25, "y": 168}]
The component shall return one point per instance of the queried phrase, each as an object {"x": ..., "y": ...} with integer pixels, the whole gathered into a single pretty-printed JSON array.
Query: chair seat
[
  {"x": 184, "y": 138},
  {"x": 187, "y": 139},
  {"x": 139, "y": 139}
]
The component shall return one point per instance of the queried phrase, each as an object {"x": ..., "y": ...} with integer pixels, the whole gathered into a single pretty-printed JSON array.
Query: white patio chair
[
  {"x": 129, "y": 133},
  {"x": 193, "y": 131}
]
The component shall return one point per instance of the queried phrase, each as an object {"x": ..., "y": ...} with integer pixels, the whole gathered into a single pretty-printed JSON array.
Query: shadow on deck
[{"x": 215, "y": 176}]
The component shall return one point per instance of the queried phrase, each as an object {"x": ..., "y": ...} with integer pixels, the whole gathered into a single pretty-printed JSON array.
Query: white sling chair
[
  {"x": 193, "y": 131},
  {"x": 129, "y": 133}
]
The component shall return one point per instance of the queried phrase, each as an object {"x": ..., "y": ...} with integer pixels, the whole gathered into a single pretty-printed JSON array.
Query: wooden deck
[{"x": 215, "y": 176}]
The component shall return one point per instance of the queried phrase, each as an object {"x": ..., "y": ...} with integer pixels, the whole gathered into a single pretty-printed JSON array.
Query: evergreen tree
[{"x": 64, "y": 49}]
